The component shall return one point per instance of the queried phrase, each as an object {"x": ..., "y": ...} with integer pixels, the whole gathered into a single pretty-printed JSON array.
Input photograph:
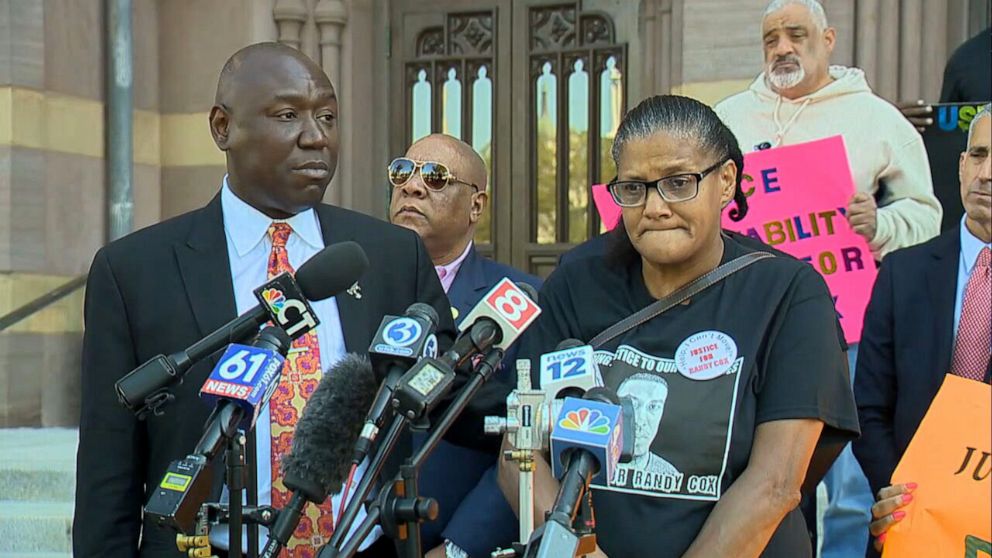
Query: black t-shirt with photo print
[{"x": 761, "y": 345}]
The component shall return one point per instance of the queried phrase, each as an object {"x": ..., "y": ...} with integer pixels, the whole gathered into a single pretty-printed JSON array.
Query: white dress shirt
[{"x": 248, "y": 248}]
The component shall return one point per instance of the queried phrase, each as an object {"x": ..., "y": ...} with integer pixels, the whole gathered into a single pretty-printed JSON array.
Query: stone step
[
  {"x": 38, "y": 464},
  {"x": 36, "y": 555},
  {"x": 35, "y": 527}
]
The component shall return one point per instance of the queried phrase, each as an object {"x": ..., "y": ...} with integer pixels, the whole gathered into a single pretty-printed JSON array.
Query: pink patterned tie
[
  {"x": 971, "y": 351},
  {"x": 300, "y": 376}
]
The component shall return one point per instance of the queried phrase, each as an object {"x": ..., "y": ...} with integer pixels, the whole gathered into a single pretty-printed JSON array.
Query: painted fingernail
[
  {"x": 907, "y": 498},
  {"x": 929, "y": 121},
  {"x": 881, "y": 538},
  {"x": 898, "y": 515},
  {"x": 911, "y": 485}
]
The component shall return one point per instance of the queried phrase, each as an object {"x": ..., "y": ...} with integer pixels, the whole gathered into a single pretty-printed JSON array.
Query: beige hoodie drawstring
[{"x": 780, "y": 134}]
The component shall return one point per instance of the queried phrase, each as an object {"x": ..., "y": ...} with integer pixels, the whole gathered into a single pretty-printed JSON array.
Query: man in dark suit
[
  {"x": 929, "y": 315},
  {"x": 440, "y": 192},
  {"x": 163, "y": 288}
]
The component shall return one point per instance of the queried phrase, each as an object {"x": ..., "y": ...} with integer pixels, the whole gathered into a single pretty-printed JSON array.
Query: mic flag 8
[{"x": 509, "y": 307}]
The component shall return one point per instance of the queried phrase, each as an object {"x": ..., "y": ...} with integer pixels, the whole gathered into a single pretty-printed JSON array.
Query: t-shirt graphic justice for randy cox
[{"x": 698, "y": 387}]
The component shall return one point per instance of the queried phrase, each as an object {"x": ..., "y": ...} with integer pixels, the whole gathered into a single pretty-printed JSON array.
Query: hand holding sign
[
  {"x": 862, "y": 215},
  {"x": 887, "y": 510},
  {"x": 950, "y": 458}
]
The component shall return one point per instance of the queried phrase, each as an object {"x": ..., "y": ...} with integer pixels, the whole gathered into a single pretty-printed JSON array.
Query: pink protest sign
[
  {"x": 797, "y": 198},
  {"x": 609, "y": 211}
]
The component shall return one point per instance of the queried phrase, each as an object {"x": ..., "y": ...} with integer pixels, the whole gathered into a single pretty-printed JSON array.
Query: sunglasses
[{"x": 434, "y": 175}]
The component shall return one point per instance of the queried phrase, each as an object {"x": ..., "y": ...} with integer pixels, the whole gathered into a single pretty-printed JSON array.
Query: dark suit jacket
[
  {"x": 158, "y": 291},
  {"x": 473, "y": 512},
  {"x": 906, "y": 349}
]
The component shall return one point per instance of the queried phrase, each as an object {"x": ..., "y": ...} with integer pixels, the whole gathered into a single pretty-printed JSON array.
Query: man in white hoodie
[{"x": 800, "y": 98}]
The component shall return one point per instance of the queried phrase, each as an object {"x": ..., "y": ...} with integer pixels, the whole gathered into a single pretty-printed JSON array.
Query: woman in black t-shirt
[{"x": 733, "y": 389}]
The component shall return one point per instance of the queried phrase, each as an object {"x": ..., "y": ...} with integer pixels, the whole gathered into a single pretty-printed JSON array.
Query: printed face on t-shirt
[{"x": 648, "y": 395}]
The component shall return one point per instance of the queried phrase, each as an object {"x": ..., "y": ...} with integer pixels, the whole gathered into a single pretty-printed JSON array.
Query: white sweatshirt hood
[{"x": 846, "y": 81}]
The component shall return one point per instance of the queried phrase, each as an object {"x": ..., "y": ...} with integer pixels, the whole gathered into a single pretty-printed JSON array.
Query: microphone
[
  {"x": 325, "y": 436},
  {"x": 495, "y": 321},
  {"x": 586, "y": 439},
  {"x": 396, "y": 346},
  {"x": 509, "y": 307},
  {"x": 570, "y": 370},
  {"x": 240, "y": 385},
  {"x": 588, "y": 436},
  {"x": 282, "y": 300},
  {"x": 246, "y": 375}
]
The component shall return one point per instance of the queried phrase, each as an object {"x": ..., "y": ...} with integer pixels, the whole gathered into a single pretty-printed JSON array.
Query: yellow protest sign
[{"x": 950, "y": 458}]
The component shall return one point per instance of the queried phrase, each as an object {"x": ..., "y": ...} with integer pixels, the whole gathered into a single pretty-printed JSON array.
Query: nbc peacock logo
[
  {"x": 274, "y": 299},
  {"x": 586, "y": 420}
]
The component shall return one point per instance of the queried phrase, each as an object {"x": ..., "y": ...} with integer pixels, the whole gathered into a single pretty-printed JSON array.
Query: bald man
[
  {"x": 440, "y": 191},
  {"x": 161, "y": 289}
]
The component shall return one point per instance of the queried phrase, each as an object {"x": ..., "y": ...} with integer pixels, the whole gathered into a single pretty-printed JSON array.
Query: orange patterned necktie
[{"x": 300, "y": 377}]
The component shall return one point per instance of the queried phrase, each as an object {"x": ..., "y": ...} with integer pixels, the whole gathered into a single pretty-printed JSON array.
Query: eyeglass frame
[
  {"x": 699, "y": 176},
  {"x": 418, "y": 165}
]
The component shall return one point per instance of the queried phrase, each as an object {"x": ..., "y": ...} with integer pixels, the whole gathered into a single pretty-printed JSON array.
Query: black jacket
[{"x": 158, "y": 291}]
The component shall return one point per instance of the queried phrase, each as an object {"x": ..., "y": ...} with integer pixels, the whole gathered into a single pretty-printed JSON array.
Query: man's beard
[{"x": 782, "y": 80}]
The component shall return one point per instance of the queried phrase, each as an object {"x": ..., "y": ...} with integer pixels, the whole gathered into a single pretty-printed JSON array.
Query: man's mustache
[{"x": 788, "y": 59}]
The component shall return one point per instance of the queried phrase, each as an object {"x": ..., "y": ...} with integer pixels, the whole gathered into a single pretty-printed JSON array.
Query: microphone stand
[
  {"x": 235, "y": 484},
  {"x": 399, "y": 508},
  {"x": 365, "y": 486}
]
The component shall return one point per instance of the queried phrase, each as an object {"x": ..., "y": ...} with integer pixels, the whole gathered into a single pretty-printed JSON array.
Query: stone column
[
  {"x": 290, "y": 15},
  {"x": 331, "y": 17}
]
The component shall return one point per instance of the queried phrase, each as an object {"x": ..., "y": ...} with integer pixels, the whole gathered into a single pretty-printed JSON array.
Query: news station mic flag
[
  {"x": 282, "y": 300},
  {"x": 239, "y": 386}
]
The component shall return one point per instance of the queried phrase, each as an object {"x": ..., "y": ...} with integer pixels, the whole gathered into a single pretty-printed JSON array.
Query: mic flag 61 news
[
  {"x": 590, "y": 425},
  {"x": 245, "y": 375},
  {"x": 287, "y": 305},
  {"x": 509, "y": 307}
]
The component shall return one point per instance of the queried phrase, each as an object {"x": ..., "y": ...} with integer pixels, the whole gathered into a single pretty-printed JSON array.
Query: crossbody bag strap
[{"x": 662, "y": 305}]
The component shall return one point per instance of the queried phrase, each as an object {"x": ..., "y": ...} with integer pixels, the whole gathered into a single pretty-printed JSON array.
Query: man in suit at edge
[
  {"x": 161, "y": 289},
  {"x": 440, "y": 191},
  {"x": 929, "y": 314}
]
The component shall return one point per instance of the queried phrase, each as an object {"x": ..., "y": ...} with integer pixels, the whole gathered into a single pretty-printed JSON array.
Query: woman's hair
[{"x": 686, "y": 119}]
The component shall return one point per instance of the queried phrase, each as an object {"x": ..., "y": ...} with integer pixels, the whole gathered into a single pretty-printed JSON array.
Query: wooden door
[{"x": 538, "y": 88}]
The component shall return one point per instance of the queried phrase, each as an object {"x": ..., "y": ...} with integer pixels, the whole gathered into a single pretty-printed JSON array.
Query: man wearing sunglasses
[{"x": 439, "y": 191}]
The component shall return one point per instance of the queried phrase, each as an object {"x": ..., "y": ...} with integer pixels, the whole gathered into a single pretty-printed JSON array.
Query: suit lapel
[
  {"x": 206, "y": 269},
  {"x": 942, "y": 277},
  {"x": 470, "y": 279},
  {"x": 336, "y": 226}
]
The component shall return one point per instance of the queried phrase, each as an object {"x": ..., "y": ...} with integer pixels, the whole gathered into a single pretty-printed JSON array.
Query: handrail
[{"x": 41, "y": 302}]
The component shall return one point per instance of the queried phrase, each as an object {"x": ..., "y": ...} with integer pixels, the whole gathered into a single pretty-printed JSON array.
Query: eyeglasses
[
  {"x": 435, "y": 175},
  {"x": 673, "y": 189}
]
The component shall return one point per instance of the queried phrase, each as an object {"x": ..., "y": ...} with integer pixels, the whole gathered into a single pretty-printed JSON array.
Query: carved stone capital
[
  {"x": 331, "y": 17},
  {"x": 290, "y": 15}
]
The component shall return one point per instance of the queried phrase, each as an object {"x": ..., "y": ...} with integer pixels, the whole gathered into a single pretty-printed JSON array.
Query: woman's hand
[{"x": 886, "y": 512}]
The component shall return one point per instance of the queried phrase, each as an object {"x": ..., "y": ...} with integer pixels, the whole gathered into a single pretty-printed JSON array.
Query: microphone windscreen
[
  {"x": 602, "y": 394},
  {"x": 325, "y": 436},
  {"x": 528, "y": 290},
  {"x": 424, "y": 311},
  {"x": 332, "y": 270},
  {"x": 275, "y": 339},
  {"x": 568, "y": 344}
]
